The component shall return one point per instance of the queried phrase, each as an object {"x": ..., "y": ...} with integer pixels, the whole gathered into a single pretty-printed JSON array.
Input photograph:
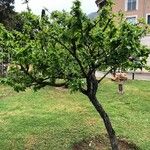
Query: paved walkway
[{"x": 137, "y": 76}]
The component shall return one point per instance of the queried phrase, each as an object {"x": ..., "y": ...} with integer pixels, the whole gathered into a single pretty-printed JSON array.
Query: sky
[{"x": 36, "y": 6}]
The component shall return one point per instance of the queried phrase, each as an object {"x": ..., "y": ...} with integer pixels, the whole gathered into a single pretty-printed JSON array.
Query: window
[
  {"x": 132, "y": 19},
  {"x": 131, "y": 5},
  {"x": 148, "y": 18}
]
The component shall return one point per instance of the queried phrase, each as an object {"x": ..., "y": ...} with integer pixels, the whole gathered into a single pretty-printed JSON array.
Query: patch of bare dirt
[
  {"x": 30, "y": 142},
  {"x": 61, "y": 88},
  {"x": 6, "y": 94},
  {"x": 102, "y": 143}
]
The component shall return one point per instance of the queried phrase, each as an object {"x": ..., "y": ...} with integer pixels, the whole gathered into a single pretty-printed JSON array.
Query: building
[{"x": 133, "y": 9}]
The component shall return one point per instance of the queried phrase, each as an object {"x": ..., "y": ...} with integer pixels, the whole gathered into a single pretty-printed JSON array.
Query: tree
[
  {"x": 7, "y": 13},
  {"x": 6, "y": 5},
  {"x": 72, "y": 47},
  {"x": 9, "y": 18},
  {"x": 27, "y": 3}
]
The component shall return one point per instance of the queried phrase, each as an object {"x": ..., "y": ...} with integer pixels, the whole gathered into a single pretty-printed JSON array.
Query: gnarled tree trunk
[
  {"x": 108, "y": 125},
  {"x": 92, "y": 86}
]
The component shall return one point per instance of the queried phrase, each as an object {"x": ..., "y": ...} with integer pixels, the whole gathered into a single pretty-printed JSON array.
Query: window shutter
[
  {"x": 126, "y": 4},
  {"x": 137, "y": 4}
]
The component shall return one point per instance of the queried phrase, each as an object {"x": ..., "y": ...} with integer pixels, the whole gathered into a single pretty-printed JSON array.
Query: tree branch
[
  {"x": 105, "y": 75},
  {"x": 82, "y": 90},
  {"x": 42, "y": 82},
  {"x": 106, "y": 24},
  {"x": 27, "y": 73},
  {"x": 73, "y": 55},
  {"x": 77, "y": 59}
]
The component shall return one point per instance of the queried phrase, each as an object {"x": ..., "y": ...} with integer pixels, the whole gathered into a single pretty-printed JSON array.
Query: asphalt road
[{"x": 137, "y": 75}]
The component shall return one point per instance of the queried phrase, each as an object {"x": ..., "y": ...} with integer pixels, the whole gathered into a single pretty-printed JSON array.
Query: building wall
[
  {"x": 146, "y": 41},
  {"x": 143, "y": 8},
  {"x": 141, "y": 12}
]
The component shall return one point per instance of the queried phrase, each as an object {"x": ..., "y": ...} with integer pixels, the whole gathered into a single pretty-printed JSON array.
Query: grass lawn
[{"x": 54, "y": 119}]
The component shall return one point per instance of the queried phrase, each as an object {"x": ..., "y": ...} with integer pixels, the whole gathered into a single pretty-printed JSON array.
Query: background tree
[
  {"x": 71, "y": 47},
  {"x": 10, "y": 19},
  {"x": 27, "y": 3},
  {"x": 7, "y": 13}
]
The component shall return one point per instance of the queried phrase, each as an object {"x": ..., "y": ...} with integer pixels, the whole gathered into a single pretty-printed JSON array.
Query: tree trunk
[{"x": 109, "y": 128}]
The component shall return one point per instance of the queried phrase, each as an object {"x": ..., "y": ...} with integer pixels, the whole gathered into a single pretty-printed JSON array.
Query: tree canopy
[
  {"x": 72, "y": 47},
  {"x": 7, "y": 13}
]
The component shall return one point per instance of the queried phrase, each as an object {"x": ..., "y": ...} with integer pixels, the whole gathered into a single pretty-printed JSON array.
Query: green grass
[{"x": 54, "y": 119}]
